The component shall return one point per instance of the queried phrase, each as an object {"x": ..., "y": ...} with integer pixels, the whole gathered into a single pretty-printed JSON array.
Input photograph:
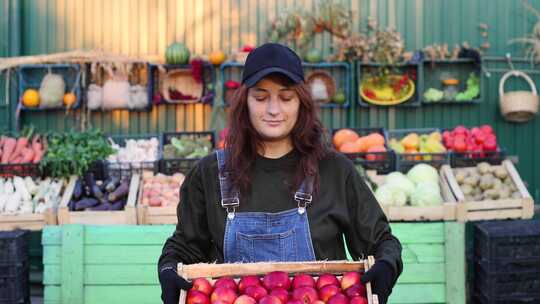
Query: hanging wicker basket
[
  {"x": 182, "y": 81},
  {"x": 518, "y": 106},
  {"x": 329, "y": 83}
]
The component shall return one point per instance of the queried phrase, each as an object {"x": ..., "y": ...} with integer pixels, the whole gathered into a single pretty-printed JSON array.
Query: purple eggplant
[{"x": 86, "y": 203}]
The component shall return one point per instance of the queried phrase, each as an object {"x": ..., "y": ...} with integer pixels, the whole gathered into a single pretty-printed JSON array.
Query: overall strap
[
  {"x": 229, "y": 195},
  {"x": 303, "y": 195}
]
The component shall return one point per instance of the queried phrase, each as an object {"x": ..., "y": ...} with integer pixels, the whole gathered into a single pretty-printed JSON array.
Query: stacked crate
[
  {"x": 507, "y": 262},
  {"x": 14, "y": 267}
]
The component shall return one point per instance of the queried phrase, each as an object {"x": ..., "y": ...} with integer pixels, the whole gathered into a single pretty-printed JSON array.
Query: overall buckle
[
  {"x": 230, "y": 204},
  {"x": 303, "y": 200}
]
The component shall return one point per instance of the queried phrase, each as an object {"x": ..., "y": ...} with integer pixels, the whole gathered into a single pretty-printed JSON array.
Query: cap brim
[{"x": 253, "y": 79}]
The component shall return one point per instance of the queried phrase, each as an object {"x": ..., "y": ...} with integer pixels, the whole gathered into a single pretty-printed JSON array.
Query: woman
[{"x": 281, "y": 195}]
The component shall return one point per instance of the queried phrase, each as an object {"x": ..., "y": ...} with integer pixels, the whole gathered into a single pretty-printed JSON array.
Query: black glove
[
  {"x": 171, "y": 283},
  {"x": 382, "y": 279}
]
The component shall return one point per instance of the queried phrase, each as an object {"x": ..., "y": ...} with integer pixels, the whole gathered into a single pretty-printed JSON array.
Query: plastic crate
[
  {"x": 29, "y": 169},
  {"x": 14, "y": 246},
  {"x": 154, "y": 80},
  {"x": 470, "y": 159},
  {"x": 437, "y": 70},
  {"x": 170, "y": 166},
  {"x": 507, "y": 283},
  {"x": 507, "y": 245},
  {"x": 482, "y": 299},
  {"x": 126, "y": 169},
  {"x": 30, "y": 77},
  {"x": 15, "y": 289},
  {"x": 364, "y": 68},
  {"x": 14, "y": 268},
  {"x": 405, "y": 161},
  {"x": 382, "y": 162}
]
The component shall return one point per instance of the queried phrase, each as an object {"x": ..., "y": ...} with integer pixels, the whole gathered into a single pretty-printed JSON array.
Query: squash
[
  {"x": 69, "y": 100},
  {"x": 216, "y": 58},
  {"x": 30, "y": 98},
  {"x": 177, "y": 53}
]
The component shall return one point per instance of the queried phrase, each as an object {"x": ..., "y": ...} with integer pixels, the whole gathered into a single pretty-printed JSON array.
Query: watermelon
[{"x": 177, "y": 53}]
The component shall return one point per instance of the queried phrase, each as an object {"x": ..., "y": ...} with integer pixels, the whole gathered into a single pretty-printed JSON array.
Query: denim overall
[{"x": 260, "y": 237}]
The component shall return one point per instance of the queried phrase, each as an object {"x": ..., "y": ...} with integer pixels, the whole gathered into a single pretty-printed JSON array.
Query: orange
[
  {"x": 30, "y": 98},
  {"x": 216, "y": 58},
  {"x": 69, "y": 99}
]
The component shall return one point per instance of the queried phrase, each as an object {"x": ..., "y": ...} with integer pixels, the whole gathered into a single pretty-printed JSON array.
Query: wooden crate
[
  {"x": 147, "y": 215},
  {"x": 446, "y": 211},
  {"x": 128, "y": 216},
  {"x": 89, "y": 264},
  {"x": 433, "y": 263},
  {"x": 32, "y": 221},
  {"x": 512, "y": 208},
  {"x": 235, "y": 270}
]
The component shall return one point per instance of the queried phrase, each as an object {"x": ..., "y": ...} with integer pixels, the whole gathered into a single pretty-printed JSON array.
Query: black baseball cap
[{"x": 272, "y": 58}]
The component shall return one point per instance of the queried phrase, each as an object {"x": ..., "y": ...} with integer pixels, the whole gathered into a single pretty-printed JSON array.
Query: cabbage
[
  {"x": 426, "y": 193},
  {"x": 399, "y": 180},
  {"x": 389, "y": 195},
  {"x": 423, "y": 173}
]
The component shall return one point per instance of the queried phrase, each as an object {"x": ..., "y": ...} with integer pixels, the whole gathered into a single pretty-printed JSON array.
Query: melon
[{"x": 177, "y": 53}]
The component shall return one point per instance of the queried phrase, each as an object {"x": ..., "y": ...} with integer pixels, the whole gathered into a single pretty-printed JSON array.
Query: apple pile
[
  {"x": 476, "y": 140},
  {"x": 277, "y": 288}
]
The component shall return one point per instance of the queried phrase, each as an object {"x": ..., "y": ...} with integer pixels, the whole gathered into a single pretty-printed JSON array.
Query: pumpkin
[
  {"x": 30, "y": 98},
  {"x": 69, "y": 100},
  {"x": 342, "y": 136},
  {"x": 177, "y": 53},
  {"x": 216, "y": 58}
]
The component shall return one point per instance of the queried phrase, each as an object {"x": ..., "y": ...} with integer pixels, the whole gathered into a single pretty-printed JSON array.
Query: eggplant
[
  {"x": 78, "y": 189},
  {"x": 96, "y": 192},
  {"x": 112, "y": 183},
  {"x": 101, "y": 207},
  {"x": 118, "y": 205},
  {"x": 86, "y": 203},
  {"x": 120, "y": 192},
  {"x": 71, "y": 206}
]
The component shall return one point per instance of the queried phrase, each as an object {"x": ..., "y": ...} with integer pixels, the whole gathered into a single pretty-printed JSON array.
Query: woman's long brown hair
[{"x": 243, "y": 141}]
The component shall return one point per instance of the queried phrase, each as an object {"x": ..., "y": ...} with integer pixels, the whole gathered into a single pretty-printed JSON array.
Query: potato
[
  {"x": 491, "y": 194},
  {"x": 497, "y": 184},
  {"x": 460, "y": 176},
  {"x": 472, "y": 180},
  {"x": 483, "y": 168},
  {"x": 500, "y": 172}
]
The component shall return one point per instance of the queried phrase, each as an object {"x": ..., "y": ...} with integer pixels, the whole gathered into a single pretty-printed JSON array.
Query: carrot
[
  {"x": 16, "y": 160},
  {"x": 38, "y": 155},
  {"x": 9, "y": 147},
  {"x": 27, "y": 155},
  {"x": 22, "y": 142},
  {"x": 36, "y": 143}
]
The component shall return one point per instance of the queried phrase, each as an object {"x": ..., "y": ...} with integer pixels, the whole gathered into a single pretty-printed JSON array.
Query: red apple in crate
[
  {"x": 305, "y": 294},
  {"x": 318, "y": 302},
  {"x": 338, "y": 299},
  {"x": 328, "y": 291},
  {"x": 247, "y": 281},
  {"x": 293, "y": 301},
  {"x": 197, "y": 297},
  {"x": 487, "y": 129},
  {"x": 219, "y": 302},
  {"x": 243, "y": 299},
  {"x": 256, "y": 292},
  {"x": 326, "y": 279},
  {"x": 356, "y": 290},
  {"x": 281, "y": 293},
  {"x": 226, "y": 295},
  {"x": 349, "y": 279},
  {"x": 202, "y": 285},
  {"x": 276, "y": 279},
  {"x": 303, "y": 280},
  {"x": 358, "y": 300},
  {"x": 270, "y": 300},
  {"x": 226, "y": 282}
]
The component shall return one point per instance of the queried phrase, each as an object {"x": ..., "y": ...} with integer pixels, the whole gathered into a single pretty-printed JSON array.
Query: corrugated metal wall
[{"x": 148, "y": 26}]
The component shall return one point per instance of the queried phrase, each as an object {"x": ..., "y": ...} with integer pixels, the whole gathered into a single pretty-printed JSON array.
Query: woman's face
[{"x": 273, "y": 109}]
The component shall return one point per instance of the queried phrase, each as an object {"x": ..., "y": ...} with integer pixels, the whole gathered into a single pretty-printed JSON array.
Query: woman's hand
[
  {"x": 171, "y": 283},
  {"x": 382, "y": 279}
]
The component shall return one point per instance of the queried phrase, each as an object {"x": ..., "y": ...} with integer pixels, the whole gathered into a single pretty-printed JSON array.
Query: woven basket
[
  {"x": 182, "y": 81},
  {"x": 328, "y": 81},
  {"x": 518, "y": 106}
]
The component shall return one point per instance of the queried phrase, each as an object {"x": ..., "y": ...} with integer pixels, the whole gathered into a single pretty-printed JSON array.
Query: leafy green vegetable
[{"x": 187, "y": 148}]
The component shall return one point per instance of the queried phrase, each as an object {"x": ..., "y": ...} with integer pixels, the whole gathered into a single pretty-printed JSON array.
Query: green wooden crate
[{"x": 434, "y": 263}]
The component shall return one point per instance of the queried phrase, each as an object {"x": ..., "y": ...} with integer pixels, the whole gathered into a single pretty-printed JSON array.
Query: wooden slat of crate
[
  {"x": 32, "y": 221},
  {"x": 128, "y": 216},
  {"x": 147, "y": 215},
  {"x": 511, "y": 208},
  {"x": 445, "y": 211}
]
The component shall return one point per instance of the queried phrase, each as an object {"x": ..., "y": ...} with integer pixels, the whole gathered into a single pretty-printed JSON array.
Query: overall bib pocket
[{"x": 264, "y": 247}]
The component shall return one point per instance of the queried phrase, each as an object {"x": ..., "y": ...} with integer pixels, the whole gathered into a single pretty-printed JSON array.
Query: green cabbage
[
  {"x": 399, "y": 180},
  {"x": 389, "y": 195},
  {"x": 426, "y": 193},
  {"x": 423, "y": 173}
]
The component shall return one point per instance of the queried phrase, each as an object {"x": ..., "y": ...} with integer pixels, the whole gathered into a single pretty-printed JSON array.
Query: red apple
[
  {"x": 197, "y": 297},
  {"x": 293, "y": 301},
  {"x": 487, "y": 129},
  {"x": 247, "y": 281},
  {"x": 475, "y": 131},
  {"x": 226, "y": 295},
  {"x": 358, "y": 300},
  {"x": 276, "y": 279},
  {"x": 490, "y": 145},
  {"x": 270, "y": 300},
  {"x": 338, "y": 299},
  {"x": 202, "y": 285},
  {"x": 328, "y": 291},
  {"x": 226, "y": 282},
  {"x": 248, "y": 48},
  {"x": 305, "y": 294},
  {"x": 356, "y": 290},
  {"x": 243, "y": 299},
  {"x": 281, "y": 293},
  {"x": 256, "y": 292},
  {"x": 303, "y": 280},
  {"x": 349, "y": 279},
  {"x": 480, "y": 138},
  {"x": 460, "y": 130},
  {"x": 318, "y": 302},
  {"x": 219, "y": 302},
  {"x": 327, "y": 279}
]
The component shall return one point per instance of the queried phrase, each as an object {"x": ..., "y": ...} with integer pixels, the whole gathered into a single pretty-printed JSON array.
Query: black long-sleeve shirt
[{"x": 344, "y": 206}]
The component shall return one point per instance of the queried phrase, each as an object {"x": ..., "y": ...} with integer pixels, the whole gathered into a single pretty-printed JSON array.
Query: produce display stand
[
  {"x": 34, "y": 221},
  {"x": 511, "y": 208},
  {"x": 443, "y": 212},
  {"x": 212, "y": 271},
  {"x": 128, "y": 216}
]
